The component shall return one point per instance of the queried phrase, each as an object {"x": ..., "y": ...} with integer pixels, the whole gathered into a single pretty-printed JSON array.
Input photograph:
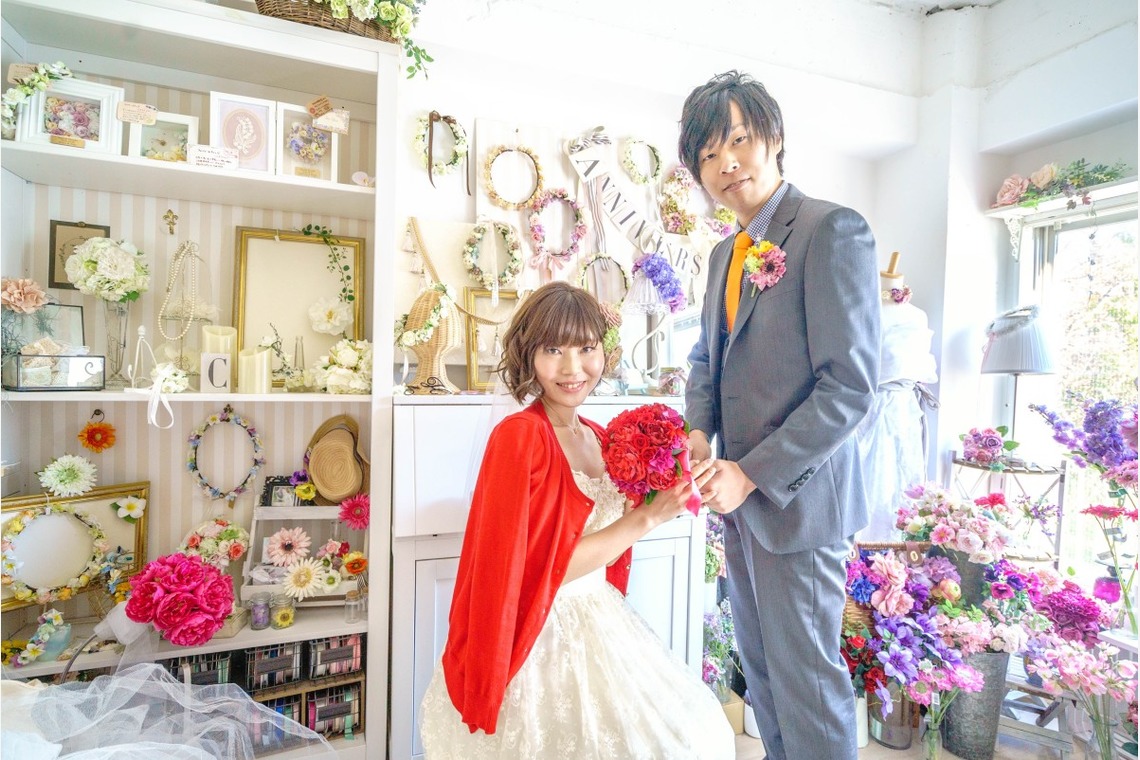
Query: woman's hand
[{"x": 667, "y": 504}]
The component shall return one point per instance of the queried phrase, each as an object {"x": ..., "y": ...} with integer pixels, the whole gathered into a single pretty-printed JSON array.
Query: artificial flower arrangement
[
  {"x": 303, "y": 487},
  {"x": 987, "y": 446},
  {"x": 110, "y": 270},
  {"x": 291, "y": 376},
  {"x": 68, "y": 475},
  {"x": 332, "y": 315},
  {"x": 97, "y": 436},
  {"x": 718, "y": 662},
  {"x": 218, "y": 542},
  {"x": 346, "y": 369},
  {"x": 645, "y": 451},
  {"x": 355, "y": 511},
  {"x": 47, "y": 625},
  {"x": 656, "y": 287},
  {"x": 977, "y": 530},
  {"x": 715, "y": 564},
  {"x": 397, "y": 16},
  {"x": 321, "y": 573},
  {"x": 1051, "y": 181},
  {"x": 764, "y": 265},
  {"x": 129, "y": 508},
  {"x": 22, "y": 296},
  {"x": 183, "y": 597},
  {"x": 100, "y": 547},
  {"x": 26, "y": 86},
  {"x": 674, "y": 197}
]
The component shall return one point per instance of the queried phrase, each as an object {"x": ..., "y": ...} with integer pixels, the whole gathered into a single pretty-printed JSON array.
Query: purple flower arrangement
[
  {"x": 1106, "y": 440},
  {"x": 987, "y": 446},
  {"x": 660, "y": 273}
]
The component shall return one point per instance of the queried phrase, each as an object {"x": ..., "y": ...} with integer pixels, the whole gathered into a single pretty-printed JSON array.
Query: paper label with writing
[
  {"x": 335, "y": 120},
  {"x": 136, "y": 113},
  {"x": 18, "y": 71},
  {"x": 212, "y": 156},
  {"x": 73, "y": 142},
  {"x": 307, "y": 171},
  {"x": 215, "y": 373},
  {"x": 319, "y": 106}
]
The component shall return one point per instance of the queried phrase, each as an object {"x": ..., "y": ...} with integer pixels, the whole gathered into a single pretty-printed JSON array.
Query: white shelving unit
[{"x": 197, "y": 47}]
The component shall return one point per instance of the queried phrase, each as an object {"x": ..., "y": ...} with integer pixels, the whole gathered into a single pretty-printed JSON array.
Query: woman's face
[{"x": 568, "y": 373}]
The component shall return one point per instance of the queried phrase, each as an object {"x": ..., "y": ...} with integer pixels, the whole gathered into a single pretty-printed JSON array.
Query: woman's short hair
[{"x": 557, "y": 314}]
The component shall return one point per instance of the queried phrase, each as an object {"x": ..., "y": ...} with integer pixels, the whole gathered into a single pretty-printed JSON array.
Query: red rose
[
  {"x": 196, "y": 629},
  {"x": 873, "y": 678},
  {"x": 659, "y": 433},
  {"x": 144, "y": 598},
  {"x": 216, "y": 597},
  {"x": 640, "y": 441},
  {"x": 857, "y": 642},
  {"x": 173, "y": 609},
  {"x": 660, "y": 481},
  {"x": 624, "y": 464}
]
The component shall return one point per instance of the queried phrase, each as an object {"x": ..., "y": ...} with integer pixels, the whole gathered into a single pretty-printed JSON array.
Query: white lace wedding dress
[{"x": 597, "y": 684}]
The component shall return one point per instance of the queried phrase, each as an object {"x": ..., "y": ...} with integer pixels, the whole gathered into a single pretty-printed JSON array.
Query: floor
[{"x": 748, "y": 748}]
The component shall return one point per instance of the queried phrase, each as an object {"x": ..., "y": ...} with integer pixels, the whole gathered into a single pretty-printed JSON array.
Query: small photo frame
[
  {"x": 278, "y": 492},
  {"x": 73, "y": 112},
  {"x": 302, "y": 149},
  {"x": 481, "y": 339},
  {"x": 64, "y": 237},
  {"x": 245, "y": 125},
  {"x": 166, "y": 140}
]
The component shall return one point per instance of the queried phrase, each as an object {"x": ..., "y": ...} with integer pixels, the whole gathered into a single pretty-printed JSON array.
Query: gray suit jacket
[{"x": 797, "y": 374}]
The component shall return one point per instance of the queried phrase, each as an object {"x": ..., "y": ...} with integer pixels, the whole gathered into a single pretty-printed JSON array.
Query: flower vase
[
  {"x": 116, "y": 316},
  {"x": 971, "y": 573},
  {"x": 931, "y": 739},
  {"x": 1102, "y": 735},
  {"x": 863, "y": 737},
  {"x": 894, "y": 730},
  {"x": 971, "y": 721}
]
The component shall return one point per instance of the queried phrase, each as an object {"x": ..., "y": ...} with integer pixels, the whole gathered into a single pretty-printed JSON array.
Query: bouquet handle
[{"x": 694, "y": 502}]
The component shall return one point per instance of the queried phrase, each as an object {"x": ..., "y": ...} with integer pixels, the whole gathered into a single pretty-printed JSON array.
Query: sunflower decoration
[{"x": 97, "y": 435}]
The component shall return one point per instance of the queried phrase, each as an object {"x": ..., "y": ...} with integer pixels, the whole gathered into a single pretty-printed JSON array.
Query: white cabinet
[{"x": 437, "y": 442}]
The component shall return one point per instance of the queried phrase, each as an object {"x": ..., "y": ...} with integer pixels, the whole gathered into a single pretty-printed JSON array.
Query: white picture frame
[
  {"x": 166, "y": 140},
  {"x": 53, "y": 113},
  {"x": 289, "y": 162},
  {"x": 245, "y": 125}
]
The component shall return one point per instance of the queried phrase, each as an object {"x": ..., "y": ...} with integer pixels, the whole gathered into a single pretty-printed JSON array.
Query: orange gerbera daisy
[{"x": 97, "y": 436}]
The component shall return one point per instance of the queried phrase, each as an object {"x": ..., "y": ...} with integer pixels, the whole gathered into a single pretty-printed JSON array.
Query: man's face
[{"x": 740, "y": 173}]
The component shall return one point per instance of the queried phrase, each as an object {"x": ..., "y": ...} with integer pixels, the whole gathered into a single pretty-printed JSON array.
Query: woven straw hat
[{"x": 337, "y": 464}]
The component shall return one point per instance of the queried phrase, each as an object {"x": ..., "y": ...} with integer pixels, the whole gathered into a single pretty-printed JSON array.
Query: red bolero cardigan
[{"x": 527, "y": 515}]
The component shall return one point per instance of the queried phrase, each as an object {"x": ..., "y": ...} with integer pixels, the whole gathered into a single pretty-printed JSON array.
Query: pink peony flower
[
  {"x": 196, "y": 629},
  {"x": 1011, "y": 190},
  {"x": 186, "y": 574},
  {"x": 22, "y": 295},
  {"x": 145, "y": 597},
  {"x": 216, "y": 596},
  {"x": 355, "y": 511},
  {"x": 173, "y": 609}
]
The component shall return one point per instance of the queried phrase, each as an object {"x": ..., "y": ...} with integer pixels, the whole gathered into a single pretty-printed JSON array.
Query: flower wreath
[
  {"x": 15, "y": 526},
  {"x": 604, "y": 258},
  {"x": 308, "y": 143},
  {"x": 195, "y": 441},
  {"x": 49, "y": 623},
  {"x": 458, "y": 153},
  {"x": 498, "y": 200},
  {"x": 631, "y": 168},
  {"x": 542, "y": 255},
  {"x": 514, "y": 255},
  {"x": 407, "y": 338},
  {"x": 674, "y": 200}
]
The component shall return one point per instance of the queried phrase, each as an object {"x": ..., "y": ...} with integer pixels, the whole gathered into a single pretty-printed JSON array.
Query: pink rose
[
  {"x": 22, "y": 295},
  {"x": 1011, "y": 190},
  {"x": 216, "y": 597},
  {"x": 145, "y": 597},
  {"x": 196, "y": 629},
  {"x": 236, "y": 550},
  {"x": 173, "y": 609}
]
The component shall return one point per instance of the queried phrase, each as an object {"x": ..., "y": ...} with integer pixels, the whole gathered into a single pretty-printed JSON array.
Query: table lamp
[{"x": 1017, "y": 346}]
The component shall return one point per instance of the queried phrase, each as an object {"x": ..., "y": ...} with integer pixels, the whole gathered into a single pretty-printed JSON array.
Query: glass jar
[
  {"x": 353, "y": 607},
  {"x": 259, "y": 612},
  {"x": 282, "y": 611}
]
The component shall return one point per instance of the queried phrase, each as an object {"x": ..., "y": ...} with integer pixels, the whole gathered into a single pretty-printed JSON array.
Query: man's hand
[
  {"x": 699, "y": 447},
  {"x": 723, "y": 485}
]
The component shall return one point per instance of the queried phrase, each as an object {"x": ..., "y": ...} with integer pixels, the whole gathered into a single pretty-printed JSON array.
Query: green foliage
[{"x": 336, "y": 263}]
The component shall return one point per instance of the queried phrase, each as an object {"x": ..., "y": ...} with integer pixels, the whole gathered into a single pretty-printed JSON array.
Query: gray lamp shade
[{"x": 1018, "y": 345}]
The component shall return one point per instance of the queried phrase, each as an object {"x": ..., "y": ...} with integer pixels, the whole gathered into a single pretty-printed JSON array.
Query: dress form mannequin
[{"x": 892, "y": 436}]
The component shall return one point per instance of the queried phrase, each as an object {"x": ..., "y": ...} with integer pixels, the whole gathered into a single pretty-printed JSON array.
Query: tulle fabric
[
  {"x": 597, "y": 684},
  {"x": 142, "y": 712}
]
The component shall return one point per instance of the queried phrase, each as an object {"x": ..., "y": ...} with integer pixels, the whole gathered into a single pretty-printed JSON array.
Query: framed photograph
[
  {"x": 284, "y": 278},
  {"x": 54, "y": 547},
  {"x": 302, "y": 149},
  {"x": 63, "y": 238},
  {"x": 245, "y": 125},
  {"x": 278, "y": 492},
  {"x": 484, "y": 340},
  {"x": 74, "y": 112},
  {"x": 165, "y": 140}
]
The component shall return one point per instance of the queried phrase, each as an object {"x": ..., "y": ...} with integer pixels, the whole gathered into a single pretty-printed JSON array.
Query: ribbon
[
  {"x": 693, "y": 503},
  {"x": 434, "y": 117},
  {"x": 155, "y": 396}
]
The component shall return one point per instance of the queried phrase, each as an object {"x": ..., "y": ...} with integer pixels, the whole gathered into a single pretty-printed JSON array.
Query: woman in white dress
[{"x": 544, "y": 658}]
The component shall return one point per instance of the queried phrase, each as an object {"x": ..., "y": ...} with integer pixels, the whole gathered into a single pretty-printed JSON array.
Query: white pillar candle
[
  {"x": 255, "y": 371},
  {"x": 219, "y": 339}
]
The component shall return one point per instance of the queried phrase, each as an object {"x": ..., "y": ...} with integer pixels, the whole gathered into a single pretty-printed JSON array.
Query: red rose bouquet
[
  {"x": 645, "y": 452},
  {"x": 185, "y": 599}
]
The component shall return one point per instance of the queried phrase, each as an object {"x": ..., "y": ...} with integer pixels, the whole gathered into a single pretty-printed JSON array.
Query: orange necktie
[{"x": 735, "y": 275}]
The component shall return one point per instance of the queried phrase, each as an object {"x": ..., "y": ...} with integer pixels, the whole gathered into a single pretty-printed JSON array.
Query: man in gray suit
[{"x": 784, "y": 370}]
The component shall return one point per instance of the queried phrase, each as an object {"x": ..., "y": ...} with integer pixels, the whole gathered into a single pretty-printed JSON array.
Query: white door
[
  {"x": 435, "y": 585},
  {"x": 659, "y": 589}
]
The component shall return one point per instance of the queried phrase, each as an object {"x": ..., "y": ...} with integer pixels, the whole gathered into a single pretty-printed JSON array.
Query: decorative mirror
[
  {"x": 299, "y": 284},
  {"x": 55, "y": 548}
]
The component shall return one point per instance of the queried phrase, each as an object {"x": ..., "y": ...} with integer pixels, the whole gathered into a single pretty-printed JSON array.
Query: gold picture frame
[
  {"x": 58, "y": 544},
  {"x": 279, "y": 274},
  {"x": 481, "y": 364}
]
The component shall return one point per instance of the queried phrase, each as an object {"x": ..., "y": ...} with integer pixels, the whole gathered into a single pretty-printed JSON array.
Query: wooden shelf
[
  {"x": 141, "y": 396},
  {"x": 311, "y": 623},
  {"x": 1104, "y": 196},
  {"x": 297, "y": 513},
  {"x": 47, "y": 164},
  {"x": 1026, "y": 468}
]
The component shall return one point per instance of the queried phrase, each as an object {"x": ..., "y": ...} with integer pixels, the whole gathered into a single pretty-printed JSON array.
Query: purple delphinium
[{"x": 1099, "y": 441}]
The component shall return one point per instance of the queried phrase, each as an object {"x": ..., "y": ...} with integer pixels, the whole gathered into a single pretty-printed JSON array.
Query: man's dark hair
[{"x": 706, "y": 119}]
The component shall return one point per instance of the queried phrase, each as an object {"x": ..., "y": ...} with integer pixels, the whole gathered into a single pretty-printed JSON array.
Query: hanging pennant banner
[{"x": 592, "y": 165}]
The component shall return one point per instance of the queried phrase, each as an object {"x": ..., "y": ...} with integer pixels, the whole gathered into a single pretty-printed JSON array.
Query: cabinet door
[
  {"x": 435, "y": 584},
  {"x": 659, "y": 589}
]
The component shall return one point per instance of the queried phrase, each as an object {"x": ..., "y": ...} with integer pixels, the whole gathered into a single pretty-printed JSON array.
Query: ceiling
[{"x": 926, "y": 7}]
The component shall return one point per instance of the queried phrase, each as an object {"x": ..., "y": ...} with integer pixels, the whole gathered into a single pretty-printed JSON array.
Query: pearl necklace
[{"x": 186, "y": 250}]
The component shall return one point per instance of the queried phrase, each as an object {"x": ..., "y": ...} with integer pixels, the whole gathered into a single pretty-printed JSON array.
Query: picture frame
[
  {"x": 278, "y": 492},
  {"x": 63, "y": 238},
  {"x": 279, "y": 275},
  {"x": 166, "y": 140},
  {"x": 74, "y": 112},
  {"x": 53, "y": 548},
  {"x": 245, "y": 125},
  {"x": 481, "y": 360},
  {"x": 297, "y": 143}
]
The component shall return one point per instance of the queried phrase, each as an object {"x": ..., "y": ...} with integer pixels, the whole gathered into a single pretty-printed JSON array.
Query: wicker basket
[
  {"x": 320, "y": 14},
  {"x": 857, "y": 616}
]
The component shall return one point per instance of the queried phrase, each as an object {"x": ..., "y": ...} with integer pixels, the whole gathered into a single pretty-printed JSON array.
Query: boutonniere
[{"x": 764, "y": 265}]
